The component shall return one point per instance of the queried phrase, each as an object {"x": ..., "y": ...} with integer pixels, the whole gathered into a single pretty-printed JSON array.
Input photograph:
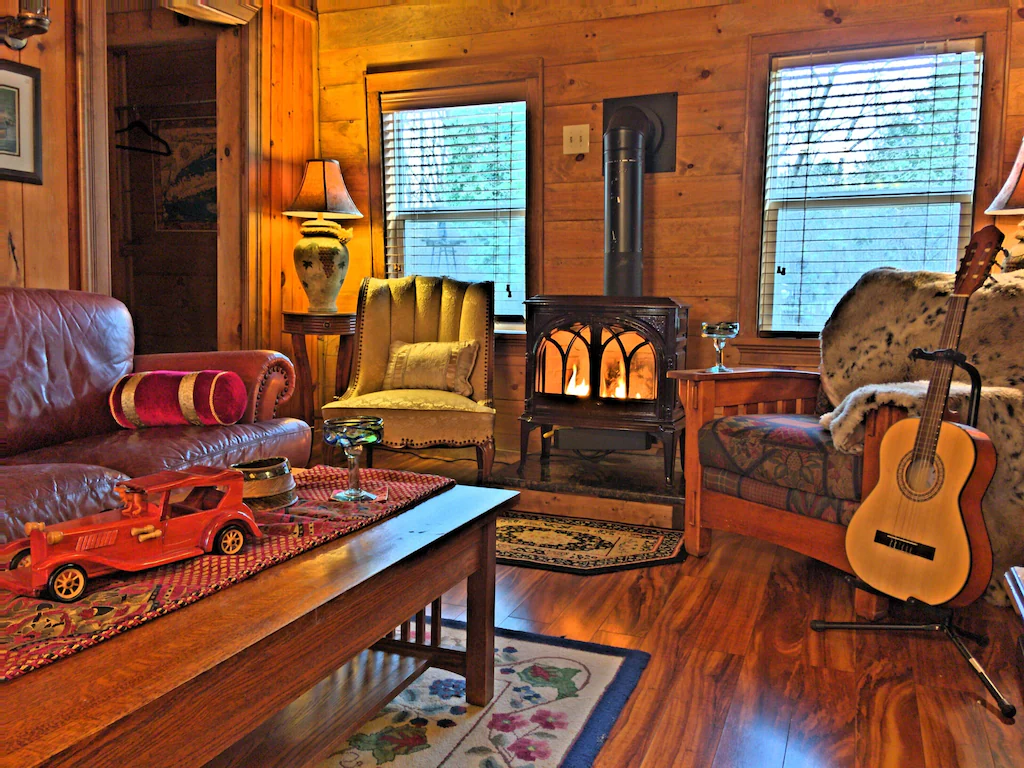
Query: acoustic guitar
[{"x": 919, "y": 533}]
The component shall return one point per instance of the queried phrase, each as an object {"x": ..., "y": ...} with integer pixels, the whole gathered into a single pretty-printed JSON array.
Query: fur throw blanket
[{"x": 865, "y": 350}]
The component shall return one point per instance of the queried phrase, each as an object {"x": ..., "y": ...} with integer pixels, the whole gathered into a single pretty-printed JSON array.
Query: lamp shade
[
  {"x": 1011, "y": 197},
  {"x": 323, "y": 193}
]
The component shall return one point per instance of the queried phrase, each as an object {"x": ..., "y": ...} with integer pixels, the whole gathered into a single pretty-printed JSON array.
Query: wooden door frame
[{"x": 237, "y": 162}]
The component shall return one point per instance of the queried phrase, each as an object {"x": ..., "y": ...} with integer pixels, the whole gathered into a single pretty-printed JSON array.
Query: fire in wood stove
[
  {"x": 626, "y": 371},
  {"x": 600, "y": 363}
]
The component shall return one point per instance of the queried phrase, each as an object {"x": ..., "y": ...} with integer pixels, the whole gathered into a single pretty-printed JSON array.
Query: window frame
[
  {"x": 451, "y": 86},
  {"x": 776, "y": 348}
]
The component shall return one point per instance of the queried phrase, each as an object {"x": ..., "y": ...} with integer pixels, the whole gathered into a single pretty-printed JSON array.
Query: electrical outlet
[{"x": 575, "y": 139}]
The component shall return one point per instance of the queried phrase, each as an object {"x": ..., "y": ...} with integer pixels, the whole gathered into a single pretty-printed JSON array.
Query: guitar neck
[{"x": 941, "y": 379}]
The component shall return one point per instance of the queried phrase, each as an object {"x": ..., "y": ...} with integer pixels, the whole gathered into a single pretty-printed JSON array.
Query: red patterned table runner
[{"x": 36, "y": 632}]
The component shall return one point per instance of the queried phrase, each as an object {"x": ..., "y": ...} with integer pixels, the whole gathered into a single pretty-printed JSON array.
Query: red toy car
[{"x": 166, "y": 517}]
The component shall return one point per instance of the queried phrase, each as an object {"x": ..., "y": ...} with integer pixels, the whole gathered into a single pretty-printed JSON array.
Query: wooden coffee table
[{"x": 211, "y": 680}]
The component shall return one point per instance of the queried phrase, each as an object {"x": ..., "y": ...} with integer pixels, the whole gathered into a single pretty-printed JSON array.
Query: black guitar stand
[{"x": 944, "y": 617}]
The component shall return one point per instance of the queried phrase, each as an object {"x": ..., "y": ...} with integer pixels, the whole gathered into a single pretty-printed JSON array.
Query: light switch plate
[{"x": 575, "y": 139}]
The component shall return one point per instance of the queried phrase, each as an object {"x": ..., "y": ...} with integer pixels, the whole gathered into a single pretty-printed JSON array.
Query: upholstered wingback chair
[
  {"x": 419, "y": 309},
  {"x": 787, "y": 456}
]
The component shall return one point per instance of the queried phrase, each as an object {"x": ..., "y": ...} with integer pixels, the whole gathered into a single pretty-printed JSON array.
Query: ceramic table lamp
[
  {"x": 1010, "y": 201},
  {"x": 321, "y": 257}
]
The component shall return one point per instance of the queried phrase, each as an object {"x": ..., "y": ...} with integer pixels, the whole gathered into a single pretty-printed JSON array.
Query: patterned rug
[
  {"x": 575, "y": 545},
  {"x": 36, "y": 632},
  {"x": 555, "y": 701}
]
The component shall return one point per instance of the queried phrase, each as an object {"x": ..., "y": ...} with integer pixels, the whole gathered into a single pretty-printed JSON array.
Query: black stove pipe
[{"x": 624, "y": 202}]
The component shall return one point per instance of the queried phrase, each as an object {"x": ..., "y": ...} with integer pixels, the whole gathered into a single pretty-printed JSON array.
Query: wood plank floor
[{"x": 736, "y": 678}]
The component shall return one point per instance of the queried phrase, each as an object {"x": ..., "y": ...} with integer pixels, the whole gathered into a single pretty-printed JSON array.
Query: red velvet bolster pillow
[{"x": 169, "y": 398}]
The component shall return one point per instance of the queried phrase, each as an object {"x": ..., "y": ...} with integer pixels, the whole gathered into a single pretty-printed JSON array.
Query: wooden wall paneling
[
  {"x": 46, "y": 205},
  {"x": 232, "y": 186},
  {"x": 75, "y": 126},
  {"x": 12, "y": 232},
  {"x": 705, "y": 71},
  {"x": 699, "y": 196},
  {"x": 156, "y": 26},
  {"x": 578, "y": 37},
  {"x": 120, "y": 200},
  {"x": 90, "y": 157},
  {"x": 281, "y": 47}
]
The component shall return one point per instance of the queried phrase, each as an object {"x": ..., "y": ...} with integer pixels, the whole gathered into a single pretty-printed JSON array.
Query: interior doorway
[{"x": 163, "y": 173}]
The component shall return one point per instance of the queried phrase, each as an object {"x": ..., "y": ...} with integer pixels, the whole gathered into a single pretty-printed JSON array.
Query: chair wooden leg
[
  {"x": 870, "y": 606},
  {"x": 484, "y": 461},
  {"x": 697, "y": 540}
]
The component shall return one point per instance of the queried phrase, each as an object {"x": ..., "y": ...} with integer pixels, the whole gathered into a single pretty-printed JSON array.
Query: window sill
[{"x": 511, "y": 328}]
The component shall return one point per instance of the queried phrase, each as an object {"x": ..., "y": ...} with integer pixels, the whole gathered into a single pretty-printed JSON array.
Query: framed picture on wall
[{"x": 21, "y": 144}]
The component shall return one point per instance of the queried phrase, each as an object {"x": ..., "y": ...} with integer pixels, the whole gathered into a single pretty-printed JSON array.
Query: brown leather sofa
[{"x": 62, "y": 452}]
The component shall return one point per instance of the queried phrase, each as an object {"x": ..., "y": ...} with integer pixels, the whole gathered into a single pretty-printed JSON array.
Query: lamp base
[{"x": 321, "y": 262}]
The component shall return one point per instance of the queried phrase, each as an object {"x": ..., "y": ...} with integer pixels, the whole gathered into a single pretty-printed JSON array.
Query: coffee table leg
[{"x": 480, "y": 624}]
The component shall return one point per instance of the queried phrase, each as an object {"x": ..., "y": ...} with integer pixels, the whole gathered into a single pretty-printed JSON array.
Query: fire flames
[{"x": 579, "y": 388}]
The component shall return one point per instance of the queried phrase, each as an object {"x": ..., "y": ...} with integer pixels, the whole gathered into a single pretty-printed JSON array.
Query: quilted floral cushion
[
  {"x": 799, "y": 502},
  {"x": 787, "y": 450}
]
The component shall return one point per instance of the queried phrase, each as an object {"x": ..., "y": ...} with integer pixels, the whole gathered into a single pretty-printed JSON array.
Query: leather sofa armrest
[{"x": 269, "y": 376}]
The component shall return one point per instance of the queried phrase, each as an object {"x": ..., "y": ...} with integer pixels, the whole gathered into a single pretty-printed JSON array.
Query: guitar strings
[{"x": 925, "y": 443}]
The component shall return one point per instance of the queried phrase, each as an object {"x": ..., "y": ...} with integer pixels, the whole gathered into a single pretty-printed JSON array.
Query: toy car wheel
[
  {"x": 22, "y": 559},
  {"x": 67, "y": 583},
  {"x": 230, "y": 540}
]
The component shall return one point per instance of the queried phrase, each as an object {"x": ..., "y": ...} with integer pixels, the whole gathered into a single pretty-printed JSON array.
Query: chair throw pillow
[
  {"x": 432, "y": 365},
  {"x": 169, "y": 398}
]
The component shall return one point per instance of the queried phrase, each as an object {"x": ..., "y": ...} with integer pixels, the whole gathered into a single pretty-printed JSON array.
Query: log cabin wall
[
  {"x": 288, "y": 131},
  {"x": 618, "y": 48},
  {"x": 38, "y": 223}
]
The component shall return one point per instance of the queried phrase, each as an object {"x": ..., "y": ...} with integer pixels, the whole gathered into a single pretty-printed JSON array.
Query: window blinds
[
  {"x": 870, "y": 162},
  {"x": 455, "y": 196}
]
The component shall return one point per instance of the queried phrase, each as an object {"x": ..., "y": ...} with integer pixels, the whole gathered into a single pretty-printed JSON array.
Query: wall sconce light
[{"x": 33, "y": 19}]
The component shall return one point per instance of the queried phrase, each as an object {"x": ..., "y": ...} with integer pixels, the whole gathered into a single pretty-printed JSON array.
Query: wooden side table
[{"x": 302, "y": 324}]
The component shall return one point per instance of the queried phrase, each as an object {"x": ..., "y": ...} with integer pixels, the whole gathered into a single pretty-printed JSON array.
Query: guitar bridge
[{"x": 905, "y": 545}]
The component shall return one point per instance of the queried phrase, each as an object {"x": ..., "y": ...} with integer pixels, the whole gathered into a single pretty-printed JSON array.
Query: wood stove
[{"x": 600, "y": 363}]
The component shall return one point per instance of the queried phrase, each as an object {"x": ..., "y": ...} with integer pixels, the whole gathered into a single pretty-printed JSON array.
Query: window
[
  {"x": 870, "y": 162},
  {"x": 455, "y": 195}
]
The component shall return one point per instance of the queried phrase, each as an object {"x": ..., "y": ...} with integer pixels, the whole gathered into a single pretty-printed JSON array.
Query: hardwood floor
[{"x": 737, "y": 678}]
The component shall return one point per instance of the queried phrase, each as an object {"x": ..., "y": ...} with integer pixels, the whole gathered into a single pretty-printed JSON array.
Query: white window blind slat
[
  {"x": 869, "y": 163},
  {"x": 455, "y": 196}
]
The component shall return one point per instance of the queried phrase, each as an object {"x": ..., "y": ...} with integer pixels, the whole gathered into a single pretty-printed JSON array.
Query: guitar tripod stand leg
[{"x": 951, "y": 630}]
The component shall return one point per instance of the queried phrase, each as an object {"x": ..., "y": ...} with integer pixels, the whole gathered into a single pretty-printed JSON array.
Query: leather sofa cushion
[
  {"x": 145, "y": 451},
  {"x": 63, "y": 352},
  {"x": 782, "y": 449},
  {"x": 30, "y": 491},
  {"x": 420, "y": 417}
]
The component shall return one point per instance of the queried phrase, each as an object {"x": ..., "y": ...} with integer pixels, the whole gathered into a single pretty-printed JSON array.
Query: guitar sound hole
[
  {"x": 920, "y": 480},
  {"x": 921, "y": 476}
]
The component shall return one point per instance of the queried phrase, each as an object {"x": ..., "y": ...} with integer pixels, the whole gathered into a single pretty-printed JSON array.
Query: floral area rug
[
  {"x": 583, "y": 546},
  {"x": 555, "y": 701},
  {"x": 36, "y": 632}
]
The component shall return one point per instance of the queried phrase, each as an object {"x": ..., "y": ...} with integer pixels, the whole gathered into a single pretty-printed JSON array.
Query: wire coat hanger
[{"x": 138, "y": 124}]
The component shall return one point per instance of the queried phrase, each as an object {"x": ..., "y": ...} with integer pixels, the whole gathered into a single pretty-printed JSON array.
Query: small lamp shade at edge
[
  {"x": 1010, "y": 199},
  {"x": 323, "y": 194}
]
